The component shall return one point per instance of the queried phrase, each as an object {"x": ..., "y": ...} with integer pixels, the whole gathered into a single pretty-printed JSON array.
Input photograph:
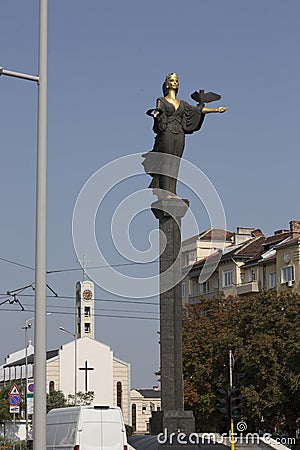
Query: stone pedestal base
[{"x": 172, "y": 422}]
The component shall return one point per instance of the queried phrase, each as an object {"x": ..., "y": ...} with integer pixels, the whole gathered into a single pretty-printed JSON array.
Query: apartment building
[{"x": 248, "y": 263}]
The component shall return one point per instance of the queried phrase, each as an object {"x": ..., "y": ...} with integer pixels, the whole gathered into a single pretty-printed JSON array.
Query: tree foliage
[
  {"x": 56, "y": 399},
  {"x": 263, "y": 332},
  {"x": 82, "y": 398}
]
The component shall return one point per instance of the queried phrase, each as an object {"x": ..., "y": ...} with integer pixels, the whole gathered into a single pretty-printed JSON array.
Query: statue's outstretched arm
[
  {"x": 220, "y": 109},
  {"x": 202, "y": 97}
]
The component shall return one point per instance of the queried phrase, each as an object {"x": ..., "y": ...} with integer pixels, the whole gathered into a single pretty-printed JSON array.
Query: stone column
[{"x": 169, "y": 212}]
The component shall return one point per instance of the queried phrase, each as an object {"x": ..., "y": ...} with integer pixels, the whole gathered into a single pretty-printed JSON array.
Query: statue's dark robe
[{"x": 170, "y": 126}]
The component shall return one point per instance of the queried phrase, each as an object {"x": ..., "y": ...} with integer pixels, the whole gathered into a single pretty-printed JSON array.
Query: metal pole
[
  {"x": 26, "y": 378},
  {"x": 39, "y": 430},
  {"x": 230, "y": 389},
  {"x": 25, "y": 76},
  {"x": 230, "y": 370},
  {"x": 27, "y": 325},
  {"x": 75, "y": 381},
  {"x": 75, "y": 360}
]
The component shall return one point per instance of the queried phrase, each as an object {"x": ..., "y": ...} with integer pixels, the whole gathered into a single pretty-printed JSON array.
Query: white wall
[{"x": 100, "y": 380}]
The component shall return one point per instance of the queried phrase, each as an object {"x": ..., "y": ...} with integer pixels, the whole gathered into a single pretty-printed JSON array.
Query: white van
[{"x": 86, "y": 428}]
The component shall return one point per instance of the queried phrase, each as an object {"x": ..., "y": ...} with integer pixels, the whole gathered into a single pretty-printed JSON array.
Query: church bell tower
[{"x": 85, "y": 321}]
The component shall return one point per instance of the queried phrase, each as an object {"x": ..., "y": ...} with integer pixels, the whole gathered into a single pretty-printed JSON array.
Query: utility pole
[
  {"x": 39, "y": 432},
  {"x": 28, "y": 324},
  {"x": 231, "y": 364}
]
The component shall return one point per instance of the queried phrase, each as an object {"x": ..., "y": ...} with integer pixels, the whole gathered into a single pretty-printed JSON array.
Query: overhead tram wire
[
  {"x": 96, "y": 309},
  {"x": 73, "y": 269},
  {"x": 16, "y": 263},
  {"x": 68, "y": 297},
  {"x": 72, "y": 314},
  {"x": 107, "y": 266}
]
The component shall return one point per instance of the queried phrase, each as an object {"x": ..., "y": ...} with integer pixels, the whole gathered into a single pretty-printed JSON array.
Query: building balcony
[
  {"x": 247, "y": 288},
  {"x": 195, "y": 298}
]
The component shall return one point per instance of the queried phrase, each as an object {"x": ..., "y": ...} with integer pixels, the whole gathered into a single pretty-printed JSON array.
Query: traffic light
[
  {"x": 222, "y": 402},
  {"x": 236, "y": 404}
]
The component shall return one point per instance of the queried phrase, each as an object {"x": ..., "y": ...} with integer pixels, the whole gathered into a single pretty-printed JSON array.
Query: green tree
[
  {"x": 82, "y": 398},
  {"x": 263, "y": 331},
  {"x": 56, "y": 399},
  {"x": 4, "y": 403}
]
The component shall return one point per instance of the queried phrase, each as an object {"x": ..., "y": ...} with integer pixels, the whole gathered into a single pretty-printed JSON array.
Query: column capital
[{"x": 170, "y": 207}]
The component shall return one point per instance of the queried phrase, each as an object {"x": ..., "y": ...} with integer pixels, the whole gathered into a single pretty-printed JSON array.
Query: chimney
[
  {"x": 295, "y": 228},
  {"x": 242, "y": 234},
  {"x": 277, "y": 232}
]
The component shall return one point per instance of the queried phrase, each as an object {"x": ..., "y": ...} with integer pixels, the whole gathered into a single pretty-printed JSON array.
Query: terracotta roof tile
[{"x": 217, "y": 234}]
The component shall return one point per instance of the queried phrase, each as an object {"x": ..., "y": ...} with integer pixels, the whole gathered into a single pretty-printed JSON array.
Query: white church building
[{"x": 83, "y": 364}]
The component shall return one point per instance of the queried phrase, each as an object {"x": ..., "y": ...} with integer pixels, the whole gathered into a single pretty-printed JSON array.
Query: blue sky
[{"x": 107, "y": 62}]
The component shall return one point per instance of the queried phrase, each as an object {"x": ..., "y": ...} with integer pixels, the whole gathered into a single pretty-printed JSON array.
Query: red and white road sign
[{"x": 14, "y": 390}]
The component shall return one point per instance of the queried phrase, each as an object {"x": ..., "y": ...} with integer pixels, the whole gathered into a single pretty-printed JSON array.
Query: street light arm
[
  {"x": 24, "y": 76},
  {"x": 67, "y": 331}
]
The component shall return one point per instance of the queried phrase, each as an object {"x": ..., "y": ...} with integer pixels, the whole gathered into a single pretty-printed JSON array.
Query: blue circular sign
[
  {"x": 14, "y": 400},
  {"x": 31, "y": 387}
]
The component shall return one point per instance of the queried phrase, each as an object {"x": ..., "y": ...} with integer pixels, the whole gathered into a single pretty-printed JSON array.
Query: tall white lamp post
[
  {"x": 39, "y": 429},
  {"x": 28, "y": 324},
  {"x": 75, "y": 361}
]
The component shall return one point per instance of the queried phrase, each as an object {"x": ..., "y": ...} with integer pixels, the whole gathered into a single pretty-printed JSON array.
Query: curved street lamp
[{"x": 39, "y": 427}]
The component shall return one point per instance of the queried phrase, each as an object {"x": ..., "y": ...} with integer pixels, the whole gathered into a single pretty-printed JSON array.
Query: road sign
[
  {"x": 14, "y": 390},
  {"x": 30, "y": 397},
  {"x": 14, "y": 409},
  {"x": 30, "y": 405},
  {"x": 14, "y": 400}
]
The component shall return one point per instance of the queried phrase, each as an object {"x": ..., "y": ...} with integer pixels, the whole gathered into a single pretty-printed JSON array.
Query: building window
[
  {"x": 287, "y": 274},
  {"x": 227, "y": 278},
  {"x": 183, "y": 289},
  {"x": 251, "y": 275},
  {"x": 204, "y": 287},
  {"x": 195, "y": 287},
  {"x": 119, "y": 394},
  {"x": 51, "y": 386},
  {"x": 144, "y": 409},
  {"x": 133, "y": 415},
  {"x": 188, "y": 258},
  {"x": 87, "y": 311},
  {"x": 192, "y": 257},
  {"x": 87, "y": 327},
  {"x": 216, "y": 284},
  {"x": 185, "y": 259},
  {"x": 272, "y": 280}
]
